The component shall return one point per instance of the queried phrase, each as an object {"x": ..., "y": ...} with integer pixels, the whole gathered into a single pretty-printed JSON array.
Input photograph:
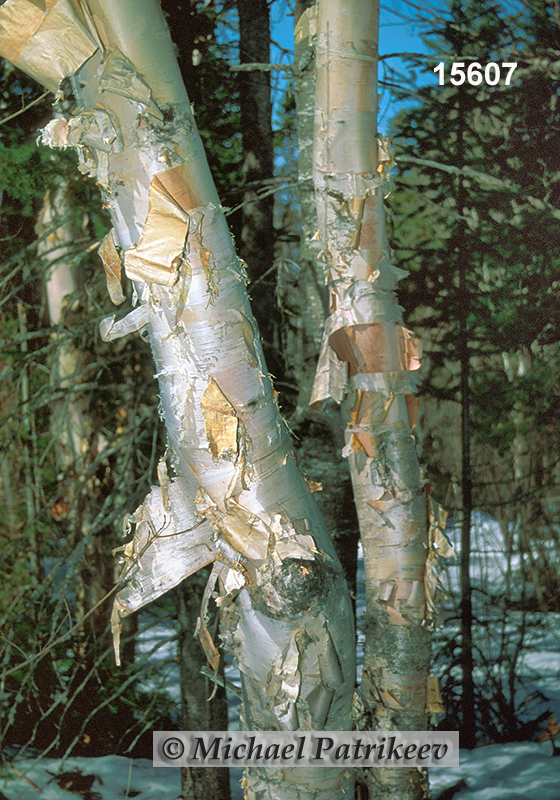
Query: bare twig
[
  {"x": 256, "y": 67},
  {"x": 25, "y": 778},
  {"x": 26, "y": 108}
]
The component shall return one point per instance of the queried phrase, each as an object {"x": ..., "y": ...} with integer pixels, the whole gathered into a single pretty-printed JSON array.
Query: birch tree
[
  {"x": 70, "y": 424},
  {"x": 304, "y": 294},
  {"x": 306, "y": 339},
  {"x": 76, "y": 441},
  {"x": 369, "y": 362},
  {"x": 229, "y": 491}
]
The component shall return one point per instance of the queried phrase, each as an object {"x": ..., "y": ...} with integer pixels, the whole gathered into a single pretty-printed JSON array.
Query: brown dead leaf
[
  {"x": 552, "y": 730},
  {"x": 208, "y": 645},
  {"x": 434, "y": 700}
]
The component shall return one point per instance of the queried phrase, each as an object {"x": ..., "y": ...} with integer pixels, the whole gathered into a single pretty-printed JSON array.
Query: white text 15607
[{"x": 474, "y": 73}]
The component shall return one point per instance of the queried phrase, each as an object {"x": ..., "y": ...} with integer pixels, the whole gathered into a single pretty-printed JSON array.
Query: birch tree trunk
[
  {"x": 311, "y": 296},
  {"x": 77, "y": 443},
  {"x": 71, "y": 429},
  {"x": 80, "y": 447},
  {"x": 235, "y": 495},
  {"x": 320, "y": 439},
  {"x": 369, "y": 361}
]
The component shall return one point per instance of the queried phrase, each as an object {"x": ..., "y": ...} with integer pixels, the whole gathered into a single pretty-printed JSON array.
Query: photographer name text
[{"x": 306, "y": 749}]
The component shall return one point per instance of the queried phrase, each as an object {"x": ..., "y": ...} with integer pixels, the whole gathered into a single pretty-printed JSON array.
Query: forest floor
[{"x": 517, "y": 770}]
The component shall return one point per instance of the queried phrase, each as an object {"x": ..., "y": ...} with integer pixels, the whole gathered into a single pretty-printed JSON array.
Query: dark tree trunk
[
  {"x": 256, "y": 245},
  {"x": 198, "y": 712},
  {"x": 468, "y": 704}
]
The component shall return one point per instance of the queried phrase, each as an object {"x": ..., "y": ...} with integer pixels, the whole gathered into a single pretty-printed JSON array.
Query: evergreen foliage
[
  {"x": 474, "y": 219},
  {"x": 513, "y": 254}
]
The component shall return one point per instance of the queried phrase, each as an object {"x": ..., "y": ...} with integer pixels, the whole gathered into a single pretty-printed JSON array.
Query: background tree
[
  {"x": 59, "y": 512},
  {"x": 256, "y": 245},
  {"x": 470, "y": 218}
]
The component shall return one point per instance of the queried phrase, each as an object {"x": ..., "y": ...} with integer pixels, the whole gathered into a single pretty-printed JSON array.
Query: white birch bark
[
  {"x": 77, "y": 444},
  {"x": 306, "y": 299},
  {"x": 69, "y": 426},
  {"x": 304, "y": 293},
  {"x": 370, "y": 361},
  {"x": 286, "y": 612}
]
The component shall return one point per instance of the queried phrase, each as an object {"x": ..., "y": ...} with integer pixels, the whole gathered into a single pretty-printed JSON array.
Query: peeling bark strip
[
  {"x": 370, "y": 358},
  {"x": 236, "y": 494},
  {"x": 113, "y": 268},
  {"x": 31, "y": 32}
]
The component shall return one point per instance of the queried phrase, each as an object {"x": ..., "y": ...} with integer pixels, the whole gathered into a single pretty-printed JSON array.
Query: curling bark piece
[
  {"x": 169, "y": 543},
  {"x": 161, "y": 253},
  {"x": 30, "y": 37},
  {"x": 112, "y": 265},
  {"x": 364, "y": 332}
]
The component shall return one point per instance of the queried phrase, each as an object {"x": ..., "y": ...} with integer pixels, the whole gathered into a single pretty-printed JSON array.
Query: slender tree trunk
[
  {"x": 78, "y": 445},
  {"x": 468, "y": 704},
  {"x": 70, "y": 426},
  {"x": 320, "y": 437},
  {"x": 256, "y": 245},
  {"x": 371, "y": 358},
  {"x": 286, "y": 611},
  {"x": 468, "y": 726},
  {"x": 311, "y": 300},
  {"x": 203, "y": 703},
  {"x": 255, "y": 101}
]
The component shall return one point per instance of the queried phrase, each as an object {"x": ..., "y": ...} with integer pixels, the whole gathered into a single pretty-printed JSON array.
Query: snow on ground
[
  {"x": 517, "y": 771},
  {"x": 115, "y": 778},
  {"x": 514, "y": 771}
]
